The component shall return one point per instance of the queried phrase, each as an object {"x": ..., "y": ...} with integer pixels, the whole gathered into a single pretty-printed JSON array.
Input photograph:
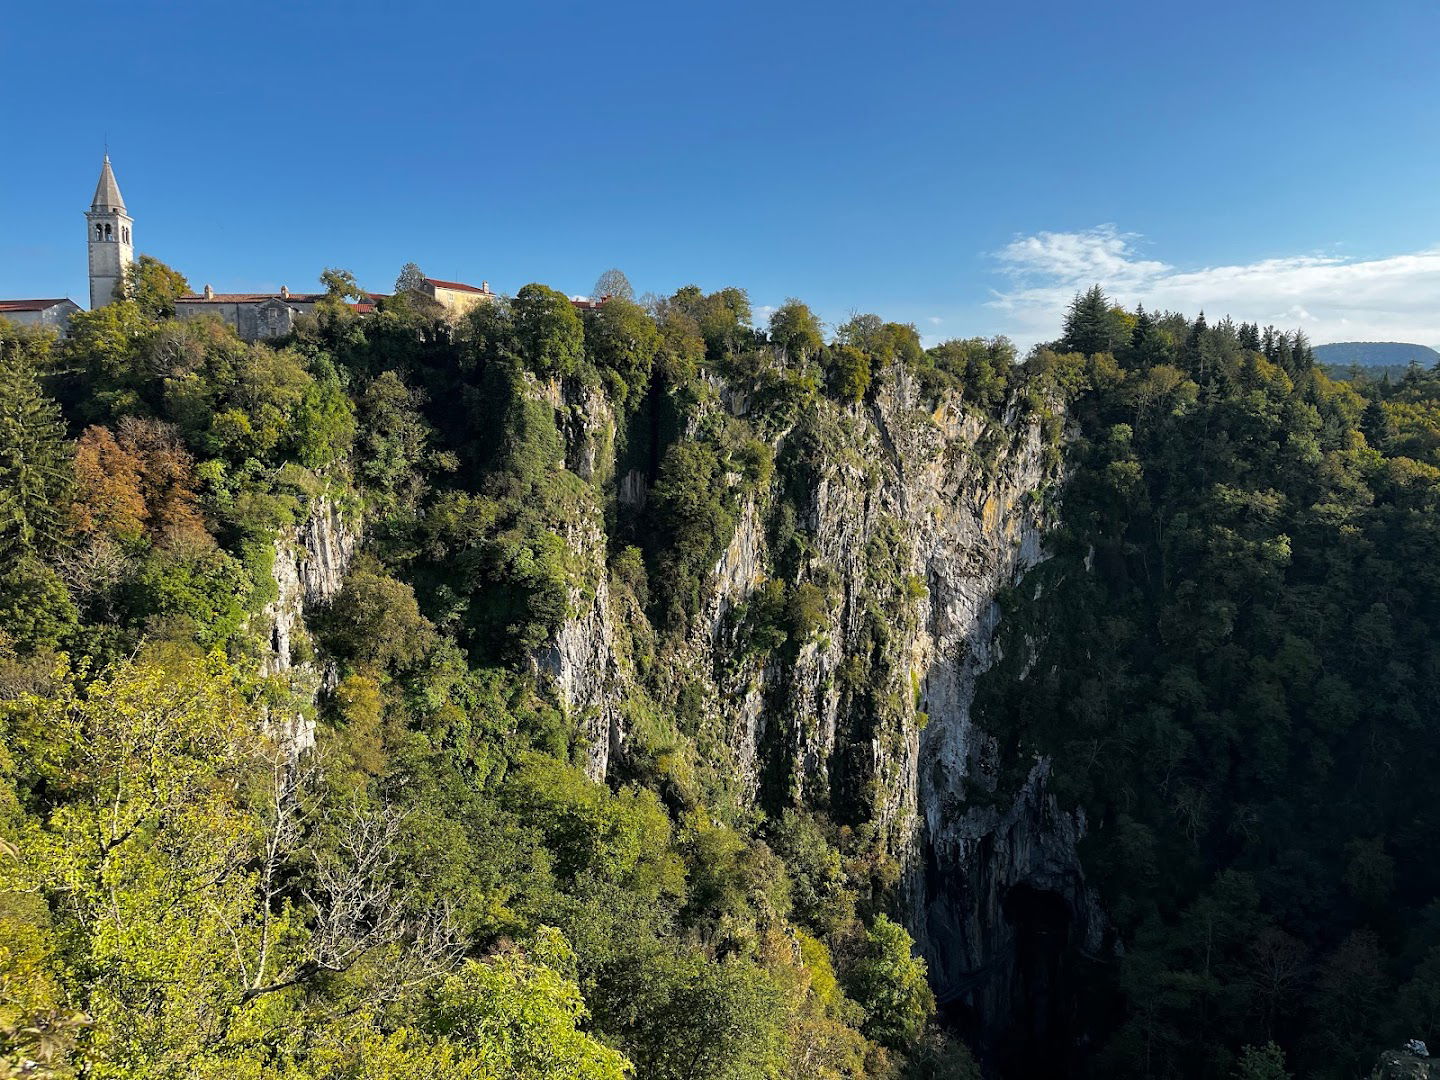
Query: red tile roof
[
  {"x": 457, "y": 286},
  {"x": 32, "y": 305},
  {"x": 248, "y": 298}
]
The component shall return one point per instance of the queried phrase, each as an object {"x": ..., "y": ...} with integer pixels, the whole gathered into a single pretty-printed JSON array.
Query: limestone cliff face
[
  {"x": 579, "y": 662},
  {"x": 914, "y": 516},
  {"x": 310, "y": 565}
]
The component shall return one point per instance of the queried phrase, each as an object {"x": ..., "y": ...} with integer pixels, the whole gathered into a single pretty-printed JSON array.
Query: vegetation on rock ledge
[{"x": 438, "y": 887}]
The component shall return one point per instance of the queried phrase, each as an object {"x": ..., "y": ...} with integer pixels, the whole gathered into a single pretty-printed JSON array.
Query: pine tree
[
  {"x": 1143, "y": 325},
  {"x": 1194, "y": 353},
  {"x": 1149, "y": 345},
  {"x": 1089, "y": 324},
  {"x": 35, "y": 460},
  {"x": 1275, "y": 345},
  {"x": 1301, "y": 358}
]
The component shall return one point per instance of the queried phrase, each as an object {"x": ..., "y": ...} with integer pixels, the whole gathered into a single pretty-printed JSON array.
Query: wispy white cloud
[
  {"x": 935, "y": 320},
  {"x": 1330, "y": 297}
]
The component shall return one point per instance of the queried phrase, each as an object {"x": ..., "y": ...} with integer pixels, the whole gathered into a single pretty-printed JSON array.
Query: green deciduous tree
[
  {"x": 795, "y": 330},
  {"x": 106, "y": 342},
  {"x": 519, "y": 1014},
  {"x": 36, "y": 608},
  {"x": 849, "y": 372},
  {"x": 690, "y": 507},
  {"x": 623, "y": 342},
  {"x": 394, "y": 445},
  {"x": 982, "y": 369},
  {"x": 690, "y": 1019},
  {"x": 1262, "y": 1063},
  {"x": 340, "y": 285},
  {"x": 152, "y": 286},
  {"x": 722, "y": 317},
  {"x": 149, "y": 771},
  {"x": 324, "y": 426},
  {"x": 548, "y": 330},
  {"x": 888, "y": 981},
  {"x": 375, "y": 621},
  {"x": 884, "y": 342}
]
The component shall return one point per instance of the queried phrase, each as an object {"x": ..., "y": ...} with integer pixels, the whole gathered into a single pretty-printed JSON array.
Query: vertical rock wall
[
  {"x": 579, "y": 661},
  {"x": 916, "y": 517},
  {"x": 310, "y": 564}
]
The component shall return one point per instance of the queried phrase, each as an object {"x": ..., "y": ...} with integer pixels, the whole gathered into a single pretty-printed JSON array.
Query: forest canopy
[{"x": 341, "y": 823}]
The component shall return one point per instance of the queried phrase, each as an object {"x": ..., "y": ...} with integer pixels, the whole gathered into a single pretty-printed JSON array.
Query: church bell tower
[{"x": 111, "y": 248}]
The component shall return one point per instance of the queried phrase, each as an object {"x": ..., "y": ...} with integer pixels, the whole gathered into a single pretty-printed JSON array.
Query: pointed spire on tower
[{"x": 107, "y": 191}]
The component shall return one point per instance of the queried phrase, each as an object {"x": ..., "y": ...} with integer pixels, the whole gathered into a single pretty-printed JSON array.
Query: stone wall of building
[
  {"x": 255, "y": 316},
  {"x": 55, "y": 314}
]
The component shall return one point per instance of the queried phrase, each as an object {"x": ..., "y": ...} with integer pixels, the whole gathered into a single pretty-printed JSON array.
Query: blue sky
[{"x": 961, "y": 166}]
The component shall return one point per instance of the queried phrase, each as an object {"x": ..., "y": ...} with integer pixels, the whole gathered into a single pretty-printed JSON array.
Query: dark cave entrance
[{"x": 1038, "y": 1041}]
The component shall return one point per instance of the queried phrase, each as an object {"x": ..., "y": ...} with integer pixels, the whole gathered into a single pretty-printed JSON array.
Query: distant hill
[{"x": 1375, "y": 354}]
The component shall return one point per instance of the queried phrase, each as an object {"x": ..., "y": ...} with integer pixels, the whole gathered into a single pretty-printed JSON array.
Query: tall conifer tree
[{"x": 35, "y": 461}]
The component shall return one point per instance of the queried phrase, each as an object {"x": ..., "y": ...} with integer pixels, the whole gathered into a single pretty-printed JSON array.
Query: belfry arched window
[{"x": 99, "y": 231}]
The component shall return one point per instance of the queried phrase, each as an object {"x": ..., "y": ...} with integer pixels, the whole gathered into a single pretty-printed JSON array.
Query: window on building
[{"x": 99, "y": 231}]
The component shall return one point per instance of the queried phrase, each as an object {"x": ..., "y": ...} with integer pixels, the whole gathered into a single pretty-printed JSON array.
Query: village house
[
  {"x": 52, "y": 313},
  {"x": 455, "y": 296}
]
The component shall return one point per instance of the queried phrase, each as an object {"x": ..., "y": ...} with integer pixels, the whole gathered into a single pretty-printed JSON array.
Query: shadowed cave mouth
[
  {"x": 1036, "y": 1041},
  {"x": 1026, "y": 1027},
  {"x": 1040, "y": 917}
]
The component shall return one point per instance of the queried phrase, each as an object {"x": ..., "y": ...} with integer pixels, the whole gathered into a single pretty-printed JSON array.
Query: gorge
[{"x": 633, "y": 691}]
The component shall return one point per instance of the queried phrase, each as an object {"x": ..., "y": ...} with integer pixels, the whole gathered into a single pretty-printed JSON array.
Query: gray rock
[
  {"x": 964, "y": 521},
  {"x": 310, "y": 565}
]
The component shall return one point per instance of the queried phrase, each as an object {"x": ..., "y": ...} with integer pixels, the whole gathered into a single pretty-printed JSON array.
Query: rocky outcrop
[
  {"x": 310, "y": 564},
  {"x": 579, "y": 661},
  {"x": 1403, "y": 1065},
  {"x": 962, "y": 504},
  {"x": 1005, "y": 912},
  {"x": 739, "y": 571},
  {"x": 915, "y": 516}
]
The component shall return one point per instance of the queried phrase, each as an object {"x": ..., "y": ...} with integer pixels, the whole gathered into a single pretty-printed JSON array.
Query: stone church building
[
  {"x": 108, "y": 237},
  {"x": 253, "y": 315},
  {"x": 111, "y": 248}
]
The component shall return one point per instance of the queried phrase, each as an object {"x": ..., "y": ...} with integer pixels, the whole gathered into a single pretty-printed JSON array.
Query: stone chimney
[
  {"x": 284, "y": 293},
  {"x": 209, "y": 293},
  {"x": 484, "y": 286}
]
